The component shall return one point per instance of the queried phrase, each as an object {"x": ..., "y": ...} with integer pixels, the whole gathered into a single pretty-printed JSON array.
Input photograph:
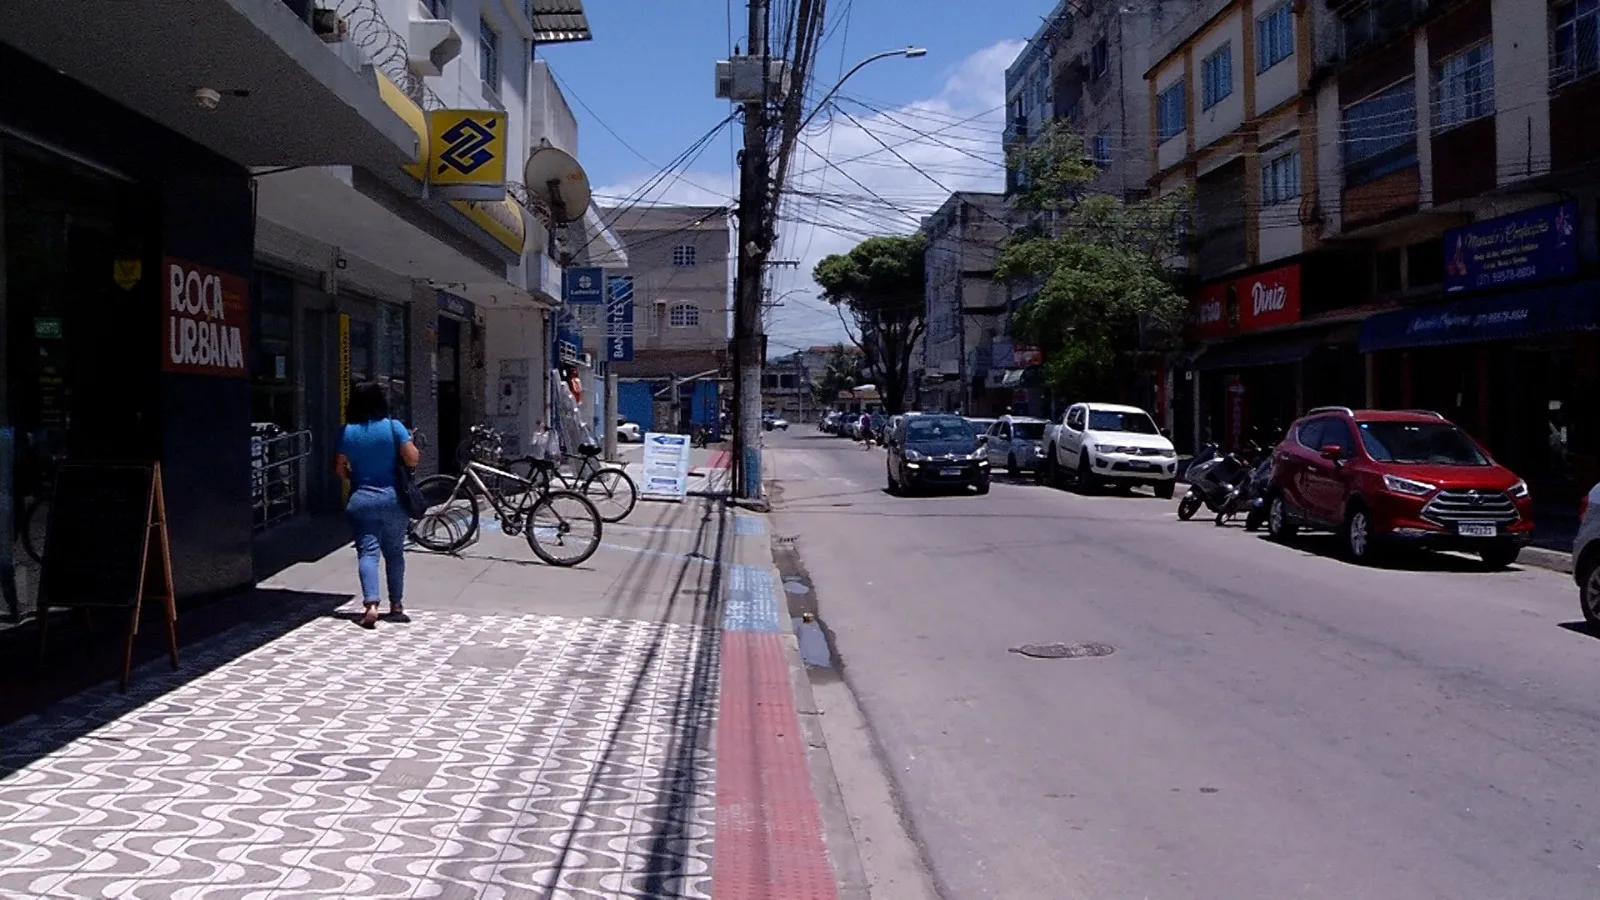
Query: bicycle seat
[{"x": 588, "y": 448}]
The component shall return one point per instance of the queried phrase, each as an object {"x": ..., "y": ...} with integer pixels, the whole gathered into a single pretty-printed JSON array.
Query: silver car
[
  {"x": 1586, "y": 557},
  {"x": 1015, "y": 442}
]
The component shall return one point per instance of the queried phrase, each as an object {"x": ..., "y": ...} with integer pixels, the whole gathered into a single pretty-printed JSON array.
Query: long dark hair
[{"x": 369, "y": 402}]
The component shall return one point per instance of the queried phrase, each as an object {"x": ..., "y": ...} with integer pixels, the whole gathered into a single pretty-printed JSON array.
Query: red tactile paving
[
  {"x": 768, "y": 843},
  {"x": 720, "y": 460}
]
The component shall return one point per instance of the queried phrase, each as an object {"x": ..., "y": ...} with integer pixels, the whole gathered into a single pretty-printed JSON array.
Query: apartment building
[
  {"x": 680, "y": 270},
  {"x": 288, "y": 189},
  {"x": 1410, "y": 223},
  {"x": 963, "y": 306}
]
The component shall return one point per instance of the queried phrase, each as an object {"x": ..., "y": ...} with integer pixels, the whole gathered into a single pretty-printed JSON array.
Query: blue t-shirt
[{"x": 373, "y": 449}]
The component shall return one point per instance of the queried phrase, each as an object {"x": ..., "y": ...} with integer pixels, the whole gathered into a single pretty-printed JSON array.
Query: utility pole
[{"x": 748, "y": 344}]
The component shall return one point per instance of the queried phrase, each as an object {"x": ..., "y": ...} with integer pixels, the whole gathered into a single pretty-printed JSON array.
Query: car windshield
[
  {"x": 1423, "y": 443},
  {"x": 1027, "y": 431},
  {"x": 1133, "y": 422},
  {"x": 938, "y": 430}
]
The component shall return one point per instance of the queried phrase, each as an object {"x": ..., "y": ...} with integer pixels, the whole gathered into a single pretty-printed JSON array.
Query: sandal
[
  {"x": 369, "y": 618},
  {"x": 397, "y": 609}
]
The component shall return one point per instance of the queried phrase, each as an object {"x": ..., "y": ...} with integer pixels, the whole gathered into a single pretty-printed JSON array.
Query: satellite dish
[{"x": 555, "y": 176}]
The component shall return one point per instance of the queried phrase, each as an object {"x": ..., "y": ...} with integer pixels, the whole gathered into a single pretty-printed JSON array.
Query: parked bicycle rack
[{"x": 277, "y": 461}]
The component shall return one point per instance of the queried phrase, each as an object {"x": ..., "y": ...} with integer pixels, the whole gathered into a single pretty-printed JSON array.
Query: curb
[{"x": 1539, "y": 557}]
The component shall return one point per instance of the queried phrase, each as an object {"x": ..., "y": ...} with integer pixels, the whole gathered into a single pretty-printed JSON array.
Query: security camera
[{"x": 207, "y": 98}]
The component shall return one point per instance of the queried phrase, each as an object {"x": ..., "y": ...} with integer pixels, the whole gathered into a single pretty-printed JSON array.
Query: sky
[{"x": 643, "y": 94}]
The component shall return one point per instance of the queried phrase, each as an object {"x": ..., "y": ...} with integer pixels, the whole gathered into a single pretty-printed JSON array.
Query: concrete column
[
  {"x": 1199, "y": 423},
  {"x": 609, "y": 437}
]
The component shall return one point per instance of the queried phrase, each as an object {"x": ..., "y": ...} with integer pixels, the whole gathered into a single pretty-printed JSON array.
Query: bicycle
[
  {"x": 608, "y": 487},
  {"x": 533, "y": 513}
]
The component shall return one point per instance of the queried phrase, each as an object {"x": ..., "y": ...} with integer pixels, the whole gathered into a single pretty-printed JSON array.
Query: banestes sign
[
  {"x": 1264, "y": 300},
  {"x": 205, "y": 313}
]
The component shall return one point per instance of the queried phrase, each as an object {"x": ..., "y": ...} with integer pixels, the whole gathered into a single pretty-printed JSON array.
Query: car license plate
[
  {"x": 1140, "y": 465},
  {"x": 949, "y": 471},
  {"x": 1477, "y": 529}
]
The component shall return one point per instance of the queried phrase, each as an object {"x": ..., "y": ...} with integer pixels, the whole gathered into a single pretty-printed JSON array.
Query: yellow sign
[
  {"x": 500, "y": 219},
  {"x": 412, "y": 115},
  {"x": 127, "y": 272},
  {"x": 467, "y": 153},
  {"x": 344, "y": 384}
]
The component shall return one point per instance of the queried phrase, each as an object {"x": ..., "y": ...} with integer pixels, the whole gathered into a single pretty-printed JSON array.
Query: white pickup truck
[{"x": 1107, "y": 444}]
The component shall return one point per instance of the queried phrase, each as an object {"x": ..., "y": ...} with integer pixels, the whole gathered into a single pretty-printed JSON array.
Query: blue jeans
[{"x": 379, "y": 526}]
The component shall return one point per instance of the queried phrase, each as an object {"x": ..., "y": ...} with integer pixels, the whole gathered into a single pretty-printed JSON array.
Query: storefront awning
[
  {"x": 1570, "y": 307},
  {"x": 1275, "y": 349}
]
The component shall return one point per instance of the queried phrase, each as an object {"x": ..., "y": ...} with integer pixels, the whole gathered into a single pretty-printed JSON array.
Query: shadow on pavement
[{"x": 49, "y": 703}]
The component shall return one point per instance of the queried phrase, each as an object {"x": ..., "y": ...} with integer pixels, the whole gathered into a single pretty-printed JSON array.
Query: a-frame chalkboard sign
[{"x": 106, "y": 548}]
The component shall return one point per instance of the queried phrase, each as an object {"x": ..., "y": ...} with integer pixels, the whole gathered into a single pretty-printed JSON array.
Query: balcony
[
  {"x": 248, "y": 79},
  {"x": 1366, "y": 27}
]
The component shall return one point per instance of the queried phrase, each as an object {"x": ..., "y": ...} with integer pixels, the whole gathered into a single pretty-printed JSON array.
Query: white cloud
[{"x": 846, "y": 186}]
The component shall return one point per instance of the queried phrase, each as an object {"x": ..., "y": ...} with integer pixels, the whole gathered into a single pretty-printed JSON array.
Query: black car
[{"x": 936, "y": 451}]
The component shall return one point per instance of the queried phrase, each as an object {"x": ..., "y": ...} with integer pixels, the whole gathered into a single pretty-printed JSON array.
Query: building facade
[
  {"x": 963, "y": 306},
  {"x": 1394, "y": 207},
  {"x": 271, "y": 193},
  {"x": 680, "y": 271}
]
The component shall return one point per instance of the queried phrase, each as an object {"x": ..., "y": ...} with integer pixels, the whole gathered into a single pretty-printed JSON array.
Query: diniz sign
[
  {"x": 205, "y": 313},
  {"x": 1264, "y": 300}
]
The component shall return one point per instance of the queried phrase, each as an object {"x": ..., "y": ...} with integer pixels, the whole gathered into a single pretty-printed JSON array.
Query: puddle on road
[{"x": 814, "y": 651}]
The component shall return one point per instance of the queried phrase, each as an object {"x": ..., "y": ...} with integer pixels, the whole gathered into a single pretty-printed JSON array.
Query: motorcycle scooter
[
  {"x": 1249, "y": 496},
  {"x": 1212, "y": 477}
]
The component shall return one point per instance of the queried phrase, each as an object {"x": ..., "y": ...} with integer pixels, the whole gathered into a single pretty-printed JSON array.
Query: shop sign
[
  {"x": 1025, "y": 355},
  {"x": 1001, "y": 353},
  {"x": 1523, "y": 248},
  {"x": 584, "y": 285},
  {"x": 1264, "y": 300},
  {"x": 468, "y": 153},
  {"x": 206, "y": 312},
  {"x": 127, "y": 271},
  {"x": 456, "y": 307},
  {"x": 47, "y": 329}
]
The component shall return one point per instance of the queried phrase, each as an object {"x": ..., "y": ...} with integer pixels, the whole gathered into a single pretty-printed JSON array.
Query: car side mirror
[
  {"x": 1332, "y": 452},
  {"x": 983, "y": 439}
]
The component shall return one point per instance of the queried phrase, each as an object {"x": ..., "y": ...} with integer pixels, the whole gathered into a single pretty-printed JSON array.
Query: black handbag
[{"x": 405, "y": 486}]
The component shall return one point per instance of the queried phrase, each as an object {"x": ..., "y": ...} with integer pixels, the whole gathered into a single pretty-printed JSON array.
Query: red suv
[{"x": 1391, "y": 478}]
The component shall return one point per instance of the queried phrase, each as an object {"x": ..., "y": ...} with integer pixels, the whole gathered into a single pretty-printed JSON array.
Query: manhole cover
[{"x": 1065, "y": 651}]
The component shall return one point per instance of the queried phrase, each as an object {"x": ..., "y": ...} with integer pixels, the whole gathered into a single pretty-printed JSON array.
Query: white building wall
[
  {"x": 1280, "y": 83},
  {"x": 1521, "y": 88},
  {"x": 1210, "y": 125},
  {"x": 1173, "y": 150}
]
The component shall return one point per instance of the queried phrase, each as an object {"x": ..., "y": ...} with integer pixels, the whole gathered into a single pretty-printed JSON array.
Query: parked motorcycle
[
  {"x": 1249, "y": 496},
  {"x": 1212, "y": 477}
]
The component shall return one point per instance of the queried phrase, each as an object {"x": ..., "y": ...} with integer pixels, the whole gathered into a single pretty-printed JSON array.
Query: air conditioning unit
[
  {"x": 430, "y": 46},
  {"x": 740, "y": 79}
]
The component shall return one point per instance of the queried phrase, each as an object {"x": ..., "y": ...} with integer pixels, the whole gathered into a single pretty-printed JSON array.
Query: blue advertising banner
[
  {"x": 1523, "y": 248},
  {"x": 619, "y": 319},
  {"x": 1569, "y": 307},
  {"x": 584, "y": 285}
]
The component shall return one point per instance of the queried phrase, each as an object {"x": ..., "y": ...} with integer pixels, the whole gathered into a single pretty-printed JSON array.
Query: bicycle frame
[{"x": 497, "y": 499}]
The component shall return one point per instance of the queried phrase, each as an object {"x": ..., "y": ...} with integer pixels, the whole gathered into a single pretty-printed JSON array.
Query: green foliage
[
  {"x": 840, "y": 372},
  {"x": 879, "y": 284},
  {"x": 1099, "y": 264}
]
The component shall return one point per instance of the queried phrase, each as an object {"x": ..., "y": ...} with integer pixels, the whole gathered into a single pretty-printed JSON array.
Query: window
[
  {"x": 1216, "y": 76},
  {"x": 683, "y": 256},
  {"x": 1463, "y": 87},
  {"x": 1280, "y": 179},
  {"x": 1170, "y": 112},
  {"x": 1099, "y": 59},
  {"x": 1275, "y": 36},
  {"x": 1102, "y": 150},
  {"x": 489, "y": 56},
  {"x": 684, "y": 315},
  {"x": 1420, "y": 443},
  {"x": 585, "y": 315},
  {"x": 1425, "y": 263},
  {"x": 439, "y": 9},
  {"x": 1577, "y": 40},
  {"x": 1121, "y": 422},
  {"x": 1379, "y": 134}
]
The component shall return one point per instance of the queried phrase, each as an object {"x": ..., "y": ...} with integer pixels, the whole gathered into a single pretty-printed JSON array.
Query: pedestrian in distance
[{"x": 372, "y": 445}]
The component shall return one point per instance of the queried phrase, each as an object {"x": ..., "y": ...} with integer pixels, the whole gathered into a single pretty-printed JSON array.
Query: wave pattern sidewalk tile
[
  {"x": 752, "y": 600},
  {"x": 746, "y": 526},
  {"x": 458, "y": 756},
  {"x": 769, "y": 827}
]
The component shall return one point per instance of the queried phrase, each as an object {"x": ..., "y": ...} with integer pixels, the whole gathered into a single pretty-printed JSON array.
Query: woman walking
[{"x": 372, "y": 446}]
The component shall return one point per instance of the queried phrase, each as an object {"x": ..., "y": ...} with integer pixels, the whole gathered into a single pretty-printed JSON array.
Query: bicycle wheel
[
  {"x": 612, "y": 492},
  {"x": 563, "y": 528},
  {"x": 451, "y": 519},
  {"x": 33, "y": 527}
]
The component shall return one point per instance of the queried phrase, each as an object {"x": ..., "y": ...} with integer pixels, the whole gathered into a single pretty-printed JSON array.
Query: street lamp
[{"x": 907, "y": 52}]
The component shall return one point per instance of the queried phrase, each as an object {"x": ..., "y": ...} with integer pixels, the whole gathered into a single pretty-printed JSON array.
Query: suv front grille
[{"x": 1451, "y": 507}]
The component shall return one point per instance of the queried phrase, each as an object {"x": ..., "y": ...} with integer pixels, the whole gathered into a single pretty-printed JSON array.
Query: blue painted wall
[{"x": 634, "y": 403}]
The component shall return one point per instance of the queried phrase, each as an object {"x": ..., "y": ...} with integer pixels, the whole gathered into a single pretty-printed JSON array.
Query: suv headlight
[
  {"x": 1518, "y": 490},
  {"x": 979, "y": 453},
  {"x": 1408, "y": 487},
  {"x": 912, "y": 454}
]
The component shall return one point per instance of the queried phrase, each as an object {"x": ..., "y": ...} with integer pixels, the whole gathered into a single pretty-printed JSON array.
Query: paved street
[{"x": 1273, "y": 723}]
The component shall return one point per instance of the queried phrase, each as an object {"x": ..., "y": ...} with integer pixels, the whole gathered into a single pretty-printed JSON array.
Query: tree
[
  {"x": 880, "y": 284},
  {"x": 841, "y": 371},
  {"x": 1100, "y": 265}
]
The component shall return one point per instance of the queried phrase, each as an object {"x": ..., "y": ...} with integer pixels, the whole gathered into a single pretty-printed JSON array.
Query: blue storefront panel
[{"x": 1557, "y": 310}]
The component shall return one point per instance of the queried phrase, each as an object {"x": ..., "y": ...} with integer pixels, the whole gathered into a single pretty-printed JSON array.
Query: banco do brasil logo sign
[{"x": 466, "y": 146}]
